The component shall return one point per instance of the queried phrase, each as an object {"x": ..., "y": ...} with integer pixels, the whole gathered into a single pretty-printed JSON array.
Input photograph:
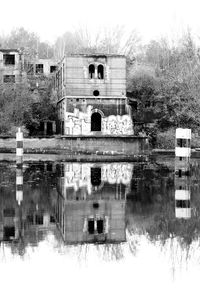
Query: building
[
  {"x": 92, "y": 96},
  {"x": 15, "y": 66},
  {"x": 40, "y": 66},
  {"x": 91, "y": 202},
  {"x": 11, "y": 66}
]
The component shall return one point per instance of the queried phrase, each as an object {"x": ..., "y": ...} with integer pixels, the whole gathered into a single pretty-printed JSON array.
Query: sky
[{"x": 150, "y": 18}]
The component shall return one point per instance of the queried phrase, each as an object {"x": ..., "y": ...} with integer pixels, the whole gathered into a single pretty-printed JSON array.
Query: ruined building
[
  {"x": 91, "y": 202},
  {"x": 11, "y": 66},
  {"x": 92, "y": 96},
  {"x": 15, "y": 66}
]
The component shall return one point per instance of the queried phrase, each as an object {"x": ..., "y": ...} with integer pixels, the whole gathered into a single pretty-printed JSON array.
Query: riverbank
[
  {"x": 79, "y": 148},
  {"x": 195, "y": 153}
]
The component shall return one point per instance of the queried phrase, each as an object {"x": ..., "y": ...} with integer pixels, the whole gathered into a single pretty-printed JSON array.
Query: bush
[{"x": 166, "y": 139}]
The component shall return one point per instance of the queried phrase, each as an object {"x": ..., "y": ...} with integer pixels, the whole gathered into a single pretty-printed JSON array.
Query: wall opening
[
  {"x": 96, "y": 122},
  {"x": 53, "y": 69},
  {"x": 100, "y": 72},
  {"x": 96, "y": 93},
  {"x": 100, "y": 226},
  {"x": 49, "y": 128},
  {"x": 39, "y": 219},
  {"x": 95, "y": 176},
  {"x": 91, "y": 226},
  {"x": 95, "y": 205},
  {"x": 91, "y": 71},
  {"x": 39, "y": 69},
  {"x": 9, "y": 78},
  {"x": 9, "y": 59},
  {"x": 9, "y": 232}
]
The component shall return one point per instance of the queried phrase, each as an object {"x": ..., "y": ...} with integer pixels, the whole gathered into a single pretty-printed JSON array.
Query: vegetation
[{"x": 163, "y": 76}]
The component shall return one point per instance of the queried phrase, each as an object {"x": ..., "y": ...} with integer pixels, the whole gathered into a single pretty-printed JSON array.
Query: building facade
[
  {"x": 92, "y": 96},
  {"x": 11, "y": 66},
  {"x": 91, "y": 202},
  {"x": 14, "y": 66}
]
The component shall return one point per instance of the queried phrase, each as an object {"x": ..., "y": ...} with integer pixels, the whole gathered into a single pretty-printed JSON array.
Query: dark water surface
[{"x": 112, "y": 230}]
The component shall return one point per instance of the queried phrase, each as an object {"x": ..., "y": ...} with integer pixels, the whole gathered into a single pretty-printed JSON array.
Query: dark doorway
[
  {"x": 49, "y": 128},
  {"x": 9, "y": 233},
  {"x": 96, "y": 122},
  {"x": 95, "y": 176}
]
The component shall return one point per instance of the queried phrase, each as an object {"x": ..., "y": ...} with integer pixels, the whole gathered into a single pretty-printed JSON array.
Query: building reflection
[
  {"x": 91, "y": 202},
  {"x": 77, "y": 202},
  {"x": 26, "y": 213}
]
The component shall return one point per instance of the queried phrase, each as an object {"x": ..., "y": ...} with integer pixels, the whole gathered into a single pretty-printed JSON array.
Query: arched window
[
  {"x": 100, "y": 72},
  {"x": 91, "y": 71},
  {"x": 96, "y": 122}
]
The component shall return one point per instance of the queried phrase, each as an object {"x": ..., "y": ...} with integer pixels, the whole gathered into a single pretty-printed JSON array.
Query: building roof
[
  {"x": 96, "y": 55},
  {"x": 9, "y": 50}
]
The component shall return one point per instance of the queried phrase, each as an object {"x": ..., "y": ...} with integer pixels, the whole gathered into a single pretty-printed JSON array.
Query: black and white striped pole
[
  {"x": 19, "y": 148},
  {"x": 182, "y": 173},
  {"x": 19, "y": 169}
]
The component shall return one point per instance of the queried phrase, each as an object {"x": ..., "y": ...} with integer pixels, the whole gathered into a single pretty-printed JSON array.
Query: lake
[{"x": 103, "y": 230}]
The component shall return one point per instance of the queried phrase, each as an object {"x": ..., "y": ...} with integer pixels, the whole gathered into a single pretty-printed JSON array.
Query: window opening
[
  {"x": 91, "y": 226},
  {"x": 91, "y": 71},
  {"x": 9, "y": 232},
  {"x": 100, "y": 72},
  {"x": 9, "y": 59},
  {"x": 39, "y": 219},
  {"x": 100, "y": 226},
  {"x": 95, "y": 205},
  {"x": 53, "y": 69},
  {"x": 39, "y": 69}
]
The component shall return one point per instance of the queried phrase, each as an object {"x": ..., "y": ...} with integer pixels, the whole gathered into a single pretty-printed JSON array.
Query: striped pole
[
  {"x": 19, "y": 148},
  {"x": 182, "y": 173},
  {"x": 19, "y": 164},
  {"x": 19, "y": 184}
]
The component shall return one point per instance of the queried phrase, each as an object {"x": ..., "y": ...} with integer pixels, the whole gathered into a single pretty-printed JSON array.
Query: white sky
[{"x": 151, "y": 18}]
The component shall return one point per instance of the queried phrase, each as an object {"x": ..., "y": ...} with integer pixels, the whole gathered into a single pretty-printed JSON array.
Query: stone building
[
  {"x": 15, "y": 66},
  {"x": 40, "y": 66},
  {"x": 92, "y": 95},
  {"x": 91, "y": 202},
  {"x": 11, "y": 66}
]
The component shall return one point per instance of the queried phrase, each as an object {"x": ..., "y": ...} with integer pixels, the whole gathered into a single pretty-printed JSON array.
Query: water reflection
[
  {"x": 182, "y": 187},
  {"x": 110, "y": 205},
  {"x": 91, "y": 202}
]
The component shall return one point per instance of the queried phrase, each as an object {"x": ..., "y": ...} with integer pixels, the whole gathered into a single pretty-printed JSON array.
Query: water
[{"x": 85, "y": 230}]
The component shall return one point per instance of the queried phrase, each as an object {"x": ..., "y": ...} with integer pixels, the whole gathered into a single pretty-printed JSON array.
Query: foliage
[{"x": 20, "y": 107}]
